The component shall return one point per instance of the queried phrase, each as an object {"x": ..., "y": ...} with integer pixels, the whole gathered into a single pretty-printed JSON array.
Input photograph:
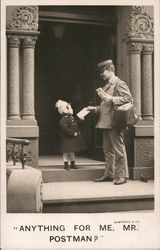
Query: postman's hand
[
  {"x": 108, "y": 98},
  {"x": 91, "y": 108}
]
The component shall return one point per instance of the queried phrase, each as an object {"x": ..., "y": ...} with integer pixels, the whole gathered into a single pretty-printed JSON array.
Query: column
[
  {"x": 135, "y": 73},
  {"x": 13, "y": 78},
  {"x": 147, "y": 93},
  {"x": 28, "y": 45}
]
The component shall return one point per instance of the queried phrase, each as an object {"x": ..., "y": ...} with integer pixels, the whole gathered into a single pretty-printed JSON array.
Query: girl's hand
[{"x": 82, "y": 118}]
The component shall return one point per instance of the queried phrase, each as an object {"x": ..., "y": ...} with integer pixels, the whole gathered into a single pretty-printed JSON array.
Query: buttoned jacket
[
  {"x": 120, "y": 92},
  {"x": 68, "y": 125},
  {"x": 69, "y": 142}
]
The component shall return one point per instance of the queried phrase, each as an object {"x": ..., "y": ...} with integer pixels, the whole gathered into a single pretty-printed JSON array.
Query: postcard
[
  {"x": 99, "y": 189},
  {"x": 101, "y": 92},
  {"x": 83, "y": 112}
]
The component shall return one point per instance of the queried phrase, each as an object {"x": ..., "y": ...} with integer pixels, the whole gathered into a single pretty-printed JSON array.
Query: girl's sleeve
[{"x": 78, "y": 120}]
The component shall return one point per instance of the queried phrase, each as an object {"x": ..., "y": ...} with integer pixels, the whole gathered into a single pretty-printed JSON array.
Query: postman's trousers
[{"x": 115, "y": 154}]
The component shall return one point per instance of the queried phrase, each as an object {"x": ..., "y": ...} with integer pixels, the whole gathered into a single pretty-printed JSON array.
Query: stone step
[
  {"x": 91, "y": 197},
  {"x": 53, "y": 170},
  {"x": 56, "y": 160},
  {"x": 83, "y": 173}
]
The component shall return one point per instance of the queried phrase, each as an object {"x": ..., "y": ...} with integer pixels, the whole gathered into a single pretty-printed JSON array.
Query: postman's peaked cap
[{"x": 104, "y": 64}]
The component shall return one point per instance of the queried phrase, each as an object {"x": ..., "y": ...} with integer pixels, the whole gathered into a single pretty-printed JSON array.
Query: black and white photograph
[{"x": 80, "y": 124}]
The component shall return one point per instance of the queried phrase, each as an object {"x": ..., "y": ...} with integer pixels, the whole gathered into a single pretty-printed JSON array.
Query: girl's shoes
[
  {"x": 73, "y": 166},
  {"x": 66, "y": 166}
]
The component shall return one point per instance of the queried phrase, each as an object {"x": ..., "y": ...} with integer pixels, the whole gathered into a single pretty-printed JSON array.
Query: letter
[
  {"x": 83, "y": 238},
  {"x": 75, "y": 227},
  {"x": 21, "y": 228},
  {"x": 40, "y": 227},
  {"x": 46, "y": 228},
  {"x": 102, "y": 228},
  {"x": 55, "y": 228},
  {"x": 89, "y": 238},
  {"x": 51, "y": 238},
  {"x": 76, "y": 238},
  {"x": 81, "y": 227},
  {"x": 57, "y": 239},
  {"x": 110, "y": 228},
  {"x": 88, "y": 228},
  {"x": 34, "y": 228},
  {"x": 63, "y": 239},
  {"x": 27, "y": 228},
  {"x": 95, "y": 237},
  {"x": 69, "y": 237},
  {"x": 62, "y": 227},
  {"x": 133, "y": 228}
]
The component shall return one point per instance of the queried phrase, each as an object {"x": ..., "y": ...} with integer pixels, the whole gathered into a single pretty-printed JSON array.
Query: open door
[{"x": 66, "y": 69}]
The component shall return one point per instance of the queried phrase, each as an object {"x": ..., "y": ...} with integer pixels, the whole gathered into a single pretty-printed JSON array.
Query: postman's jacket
[{"x": 121, "y": 94}]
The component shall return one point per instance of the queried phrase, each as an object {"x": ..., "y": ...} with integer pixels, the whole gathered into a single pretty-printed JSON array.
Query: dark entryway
[{"x": 65, "y": 68}]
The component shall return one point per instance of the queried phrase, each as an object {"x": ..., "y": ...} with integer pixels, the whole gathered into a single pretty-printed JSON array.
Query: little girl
[{"x": 70, "y": 137}]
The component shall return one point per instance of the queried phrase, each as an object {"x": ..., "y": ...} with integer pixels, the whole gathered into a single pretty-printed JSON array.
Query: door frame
[
  {"x": 68, "y": 17},
  {"x": 74, "y": 18}
]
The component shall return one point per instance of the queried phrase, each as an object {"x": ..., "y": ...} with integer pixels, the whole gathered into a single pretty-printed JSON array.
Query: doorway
[{"x": 65, "y": 68}]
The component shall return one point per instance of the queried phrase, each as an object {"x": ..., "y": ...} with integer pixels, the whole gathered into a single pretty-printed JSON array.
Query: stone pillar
[
  {"x": 147, "y": 93},
  {"x": 13, "y": 78},
  {"x": 135, "y": 73},
  {"x": 139, "y": 35},
  {"x": 22, "y": 22},
  {"x": 28, "y": 45}
]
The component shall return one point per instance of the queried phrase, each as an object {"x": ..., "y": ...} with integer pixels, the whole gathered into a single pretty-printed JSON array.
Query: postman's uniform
[{"x": 113, "y": 142}]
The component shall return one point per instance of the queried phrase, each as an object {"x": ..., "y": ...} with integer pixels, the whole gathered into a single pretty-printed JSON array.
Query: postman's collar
[{"x": 113, "y": 80}]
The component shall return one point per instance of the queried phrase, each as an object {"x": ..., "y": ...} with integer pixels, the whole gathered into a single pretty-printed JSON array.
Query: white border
[{"x": 148, "y": 236}]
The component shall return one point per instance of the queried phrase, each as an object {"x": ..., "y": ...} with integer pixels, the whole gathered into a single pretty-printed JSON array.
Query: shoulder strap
[{"x": 116, "y": 84}]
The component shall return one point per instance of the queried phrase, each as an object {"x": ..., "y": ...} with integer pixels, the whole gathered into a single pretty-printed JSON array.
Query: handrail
[
  {"x": 13, "y": 154},
  {"x": 18, "y": 141}
]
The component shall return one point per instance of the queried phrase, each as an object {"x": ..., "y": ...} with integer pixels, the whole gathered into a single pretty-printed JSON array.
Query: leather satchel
[{"x": 124, "y": 116}]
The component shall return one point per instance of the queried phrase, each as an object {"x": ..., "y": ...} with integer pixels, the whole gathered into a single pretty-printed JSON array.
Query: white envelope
[{"x": 83, "y": 113}]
